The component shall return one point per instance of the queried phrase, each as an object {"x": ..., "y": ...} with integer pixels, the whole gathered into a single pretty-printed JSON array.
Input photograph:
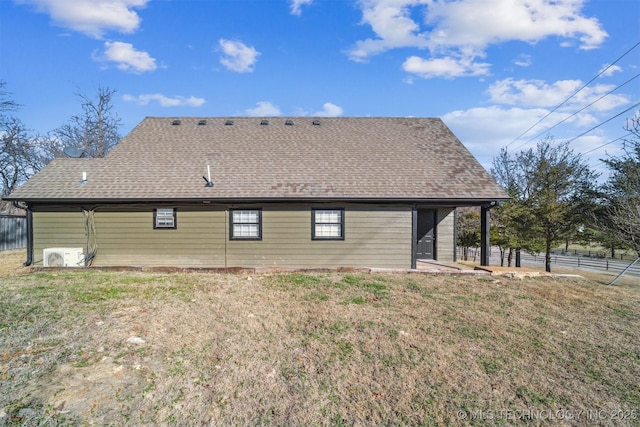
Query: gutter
[
  {"x": 29, "y": 259},
  {"x": 452, "y": 202}
]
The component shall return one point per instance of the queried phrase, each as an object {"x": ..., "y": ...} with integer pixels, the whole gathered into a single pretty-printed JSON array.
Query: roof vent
[
  {"x": 316, "y": 122},
  {"x": 264, "y": 122},
  {"x": 289, "y": 122},
  {"x": 228, "y": 123},
  {"x": 202, "y": 122},
  {"x": 175, "y": 122}
]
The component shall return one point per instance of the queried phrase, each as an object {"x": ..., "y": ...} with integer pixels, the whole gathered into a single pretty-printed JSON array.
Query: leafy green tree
[
  {"x": 551, "y": 187},
  {"x": 468, "y": 230}
]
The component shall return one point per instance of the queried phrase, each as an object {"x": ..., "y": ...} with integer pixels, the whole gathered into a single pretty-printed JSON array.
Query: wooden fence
[{"x": 13, "y": 232}]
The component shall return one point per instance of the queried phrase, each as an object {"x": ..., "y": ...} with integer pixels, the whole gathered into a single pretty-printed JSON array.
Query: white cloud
[
  {"x": 165, "y": 101},
  {"x": 329, "y": 110},
  {"x": 479, "y": 23},
  {"x": 296, "y": 6},
  {"x": 237, "y": 56},
  {"x": 263, "y": 109},
  {"x": 392, "y": 23},
  {"x": 484, "y": 131},
  {"x": 92, "y": 17},
  {"x": 460, "y": 31},
  {"x": 608, "y": 70},
  {"x": 523, "y": 60},
  {"x": 127, "y": 57},
  {"x": 537, "y": 93},
  {"x": 444, "y": 67}
]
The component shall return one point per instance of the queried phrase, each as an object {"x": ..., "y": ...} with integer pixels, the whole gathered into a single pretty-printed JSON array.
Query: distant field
[{"x": 130, "y": 348}]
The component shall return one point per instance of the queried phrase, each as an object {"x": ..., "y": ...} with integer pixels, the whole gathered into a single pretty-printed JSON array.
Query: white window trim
[
  {"x": 159, "y": 224},
  {"x": 232, "y": 224},
  {"x": 314, "y": 223}
]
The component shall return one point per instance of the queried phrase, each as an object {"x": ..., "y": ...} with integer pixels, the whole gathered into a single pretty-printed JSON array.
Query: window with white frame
[
  {"x": 327, "y": 224},
  {"x": 164, "y": 218},
  {"x": 246, "y": 224}
]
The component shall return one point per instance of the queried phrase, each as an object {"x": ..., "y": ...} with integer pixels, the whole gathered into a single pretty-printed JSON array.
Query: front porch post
[{"x": 484, "y": 235}]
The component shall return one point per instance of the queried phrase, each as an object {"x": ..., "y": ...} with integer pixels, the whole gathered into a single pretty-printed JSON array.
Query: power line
[
  {"x": 607, "y": 143},
  {"x": 602, "y": 123},
  {"x": 574, "y": 94},
  {"x": 579, "y": 111}
]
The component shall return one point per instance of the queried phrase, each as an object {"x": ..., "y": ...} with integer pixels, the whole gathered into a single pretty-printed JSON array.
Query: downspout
[{"x": 29, "y": 259}]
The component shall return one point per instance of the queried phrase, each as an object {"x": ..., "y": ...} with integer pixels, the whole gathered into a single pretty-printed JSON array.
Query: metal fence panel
[
  {"x": 585, "y": 263},
  {"x": 13, "y": 232}
]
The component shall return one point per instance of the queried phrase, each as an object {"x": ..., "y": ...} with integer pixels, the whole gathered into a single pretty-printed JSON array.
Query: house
[{"x": 248, "y": 192}]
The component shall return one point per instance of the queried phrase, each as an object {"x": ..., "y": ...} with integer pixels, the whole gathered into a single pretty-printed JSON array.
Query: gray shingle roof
[{"x": 339, "y": 158}]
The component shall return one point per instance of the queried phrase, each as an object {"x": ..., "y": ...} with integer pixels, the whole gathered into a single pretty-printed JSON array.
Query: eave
[{"x": 421, "y": 201}]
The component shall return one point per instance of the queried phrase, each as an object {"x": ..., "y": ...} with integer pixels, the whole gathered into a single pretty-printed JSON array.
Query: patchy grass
[{"x": 317, "y": 349}]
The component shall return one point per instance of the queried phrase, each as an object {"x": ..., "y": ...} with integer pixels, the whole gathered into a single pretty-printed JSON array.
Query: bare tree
[
  {"x": 22, "y": 153},
  {"x": 620, "y": 211},
  {"x": 96, "y": 130},
  {"x": 6, "y": 103}
]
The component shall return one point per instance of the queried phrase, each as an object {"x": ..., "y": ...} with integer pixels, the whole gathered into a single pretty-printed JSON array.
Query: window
[
  {"x": 327, "y": 224},
  {"x": 164, "y": 218},
  {"x": 246, "y": 224}
]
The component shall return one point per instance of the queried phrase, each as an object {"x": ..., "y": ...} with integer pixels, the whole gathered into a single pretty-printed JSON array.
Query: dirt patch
[{"x": 12, "y": 262}]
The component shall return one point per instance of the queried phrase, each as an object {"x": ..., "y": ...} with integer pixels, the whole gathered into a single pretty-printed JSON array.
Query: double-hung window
[
  {"x": 327, "y": 224},
  {"x": 246, "y": 224},
  {"x": 164, "y": 218}
]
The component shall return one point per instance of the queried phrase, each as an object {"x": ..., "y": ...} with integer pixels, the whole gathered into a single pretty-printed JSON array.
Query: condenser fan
[{"x": 55, "y": 259}]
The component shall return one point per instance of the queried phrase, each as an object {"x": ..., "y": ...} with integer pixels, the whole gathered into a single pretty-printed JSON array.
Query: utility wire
[
  {"x": 602, "y": 123},
  {"x": 574, "y": 94},
  {"x": 579, "y": 111},
  {"x": 607, "y": 143}
]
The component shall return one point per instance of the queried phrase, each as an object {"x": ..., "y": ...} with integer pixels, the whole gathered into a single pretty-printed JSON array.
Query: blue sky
[{"x": 491, "y": 69}]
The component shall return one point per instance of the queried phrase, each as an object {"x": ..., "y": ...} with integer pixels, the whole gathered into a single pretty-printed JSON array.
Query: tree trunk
[
  {"x": 547, "y": 257},
  {"x": 510, "y": 258}
]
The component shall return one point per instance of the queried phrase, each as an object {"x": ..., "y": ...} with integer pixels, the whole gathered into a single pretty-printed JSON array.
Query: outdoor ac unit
[{"x": 63, "y": 257}]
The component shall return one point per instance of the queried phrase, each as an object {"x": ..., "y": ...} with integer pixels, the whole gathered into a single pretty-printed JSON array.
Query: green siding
[
  {"x": 444, "y": 239},
  {"x": 375, "y": 236},
  {"x": 57, "y": 229},
  {"x": 128, "y": 238}
]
